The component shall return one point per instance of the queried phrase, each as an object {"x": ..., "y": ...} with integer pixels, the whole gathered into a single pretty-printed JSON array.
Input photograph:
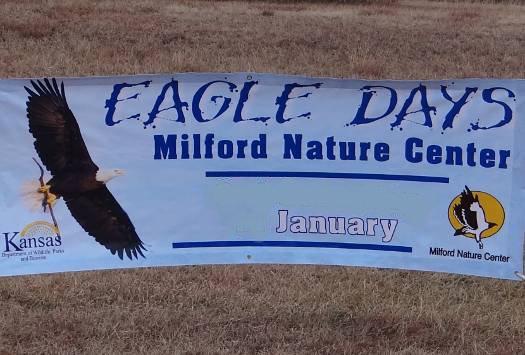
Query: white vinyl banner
[{"x": 158, "y": 170}]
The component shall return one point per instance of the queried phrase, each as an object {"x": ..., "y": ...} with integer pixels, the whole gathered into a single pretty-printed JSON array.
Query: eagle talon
[
  {"x": 51, "y": 199},
  {"x": 44, "y": 189}
]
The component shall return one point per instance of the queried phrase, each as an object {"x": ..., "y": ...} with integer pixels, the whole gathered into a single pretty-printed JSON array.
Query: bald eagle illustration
[
  {"x": 75, "y": 177},
  {"x": 471, "y": 215}
]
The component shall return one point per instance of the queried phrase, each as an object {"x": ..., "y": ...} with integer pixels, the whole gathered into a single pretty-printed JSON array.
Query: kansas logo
[
  {"x": 476, "y": 214},
  {"x": 39, "y": 234}
]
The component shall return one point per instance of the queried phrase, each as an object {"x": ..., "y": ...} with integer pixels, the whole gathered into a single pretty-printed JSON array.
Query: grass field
[{"x": 262, "y": 309}]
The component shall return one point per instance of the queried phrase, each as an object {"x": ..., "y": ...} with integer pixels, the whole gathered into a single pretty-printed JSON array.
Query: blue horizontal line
[
  {"x": 289, "y": 244},
  {"x": 328, "y": 175}
]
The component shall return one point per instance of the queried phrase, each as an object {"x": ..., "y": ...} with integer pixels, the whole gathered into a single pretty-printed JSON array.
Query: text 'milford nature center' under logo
[{"x": 476, "y": 214}]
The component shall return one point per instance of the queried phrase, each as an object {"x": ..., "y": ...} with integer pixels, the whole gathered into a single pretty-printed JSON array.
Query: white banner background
[{"x": 207, "y": 211}]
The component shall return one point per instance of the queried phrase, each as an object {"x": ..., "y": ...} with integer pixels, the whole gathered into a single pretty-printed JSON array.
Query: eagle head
[{"x": 106, "y": 175}]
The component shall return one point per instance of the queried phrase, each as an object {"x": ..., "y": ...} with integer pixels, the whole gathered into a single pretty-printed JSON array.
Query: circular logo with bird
[{"x": 476, "y": 214}]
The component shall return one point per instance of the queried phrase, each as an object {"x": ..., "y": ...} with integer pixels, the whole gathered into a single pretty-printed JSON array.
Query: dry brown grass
[{"x": 261, "y": 309}]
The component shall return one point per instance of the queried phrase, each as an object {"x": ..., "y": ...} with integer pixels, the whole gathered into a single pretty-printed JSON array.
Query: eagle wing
[
  {"x": 58, "y": 141},
  {"x": 101, "y": 216},
  {"x": 462, "y": 211}
]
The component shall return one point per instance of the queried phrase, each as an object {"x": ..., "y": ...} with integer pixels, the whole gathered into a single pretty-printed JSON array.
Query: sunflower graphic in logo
[
  {"x": 40, "y": 229},
  {"x": 476, "y": 214}
]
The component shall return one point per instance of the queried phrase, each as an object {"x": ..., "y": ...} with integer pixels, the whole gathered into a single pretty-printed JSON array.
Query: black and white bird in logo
[{"x": 470, "y": 213}]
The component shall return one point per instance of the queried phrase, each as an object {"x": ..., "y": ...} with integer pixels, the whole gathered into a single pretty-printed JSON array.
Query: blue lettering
[
  {"x": 507, "y": 116},
  {"x": 245, "y": 92},
  {"x": 381, "y": 151},
  {"x": 165, "y": 148},
  {"x": 410, "y": 155},
  {"x": 425, "y": 108},
  {"x": 457, "y": 105},
  {"x": 9, "y": 242},
  {"x": 195, "y": 106},
  {"x": 292, "y": 146},
  {"x": 285, "y": 97},
  {"x": 367, "y": 96},
  {"x": 178, "y": 104},
  {"x": 111, "y": 103}
]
